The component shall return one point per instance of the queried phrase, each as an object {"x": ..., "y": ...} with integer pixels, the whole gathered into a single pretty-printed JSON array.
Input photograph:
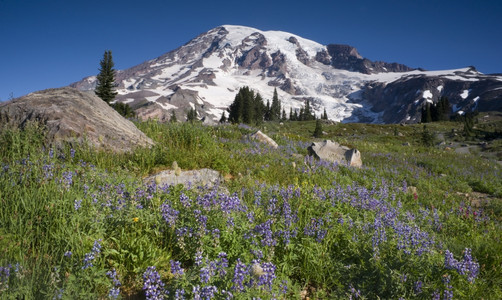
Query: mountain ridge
[{"x": 207, "y": 71}]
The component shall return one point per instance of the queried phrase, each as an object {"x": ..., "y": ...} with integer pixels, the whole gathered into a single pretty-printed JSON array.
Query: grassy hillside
[{"x": 416, "y": 222}]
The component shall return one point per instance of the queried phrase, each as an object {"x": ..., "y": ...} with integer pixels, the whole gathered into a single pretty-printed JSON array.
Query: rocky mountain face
[
  {"x": 74, "y": 116},
  {"x": 207, "y": 72}
]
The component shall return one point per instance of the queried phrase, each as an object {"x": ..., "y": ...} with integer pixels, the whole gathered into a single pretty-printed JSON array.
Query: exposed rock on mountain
[
  {"x": 74, "y": 116},
  {"x": 207, "y": 72}
]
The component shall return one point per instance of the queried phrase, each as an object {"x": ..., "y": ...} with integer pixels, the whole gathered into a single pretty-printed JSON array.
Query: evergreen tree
[
  {"x": 427, "y": 137},
  {"x": 325, "y": 115},
  {"x": 124, "y": 109},
  {"x": 291, "y": 114},
  {"x": 301, "y": 115},
  {"x": 192, "y": 115},
  {"x": 295, "y": 116},
  {"x": 259, "y": 109},
  {"x": 247, "y": 107},
  {"x": 235, "y": 109},
  {"x": 426, "y": 113},
  {"x": 267, "y": 111},
  {"x": 284, "y": 117},
  {"x": 318, "y": 129},
  {"x": 275, "y": 108},
  {"x": 223, "y": 118},
  {"x": 106, "y": 78},
  {"x": 173, "y": 118}
]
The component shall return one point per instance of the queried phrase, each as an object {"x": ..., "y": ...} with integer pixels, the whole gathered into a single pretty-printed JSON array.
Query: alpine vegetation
[{"x": 413, "y": 222}]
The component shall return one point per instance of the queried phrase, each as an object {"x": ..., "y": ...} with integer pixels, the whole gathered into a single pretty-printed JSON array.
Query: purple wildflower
[
  {"x": 176, "y": 268},
  {"x": 89, "y": 257},
  {"x": 169, "y": 214},
  {"x": 153, "y": 285},
  {"x": 115, "y": 291},
  {"x": 77, "y": 204}
]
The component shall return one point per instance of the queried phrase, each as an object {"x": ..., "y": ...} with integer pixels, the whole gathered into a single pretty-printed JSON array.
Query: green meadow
[{"x": 415, "y": 222}]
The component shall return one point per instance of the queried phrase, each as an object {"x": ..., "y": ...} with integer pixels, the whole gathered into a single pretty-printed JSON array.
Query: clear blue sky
[{"x": 52, "y": 43}]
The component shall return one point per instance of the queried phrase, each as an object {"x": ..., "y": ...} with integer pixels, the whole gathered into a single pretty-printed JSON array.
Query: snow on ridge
[
  {"x": 465, "y": 94},
  {"x": 427, "y": 95},
  {"x": 277, "y": 40}
]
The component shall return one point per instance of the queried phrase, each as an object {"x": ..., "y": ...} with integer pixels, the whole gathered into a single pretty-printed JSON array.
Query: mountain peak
[{"x": 207, "y": 72}]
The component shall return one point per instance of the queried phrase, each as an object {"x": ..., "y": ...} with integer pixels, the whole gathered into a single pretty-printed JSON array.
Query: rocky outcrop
[
  {"x": 335, "y": 153},
  {"x": 73, "y": 116},
  {"x": 263, "y": 138},
  {"x": 346, "y": 57},
  {"x": 202, "y": 177}
]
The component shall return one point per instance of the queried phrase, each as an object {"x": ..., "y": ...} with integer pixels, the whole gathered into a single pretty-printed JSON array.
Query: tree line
[{"x": 248, "y": 107}]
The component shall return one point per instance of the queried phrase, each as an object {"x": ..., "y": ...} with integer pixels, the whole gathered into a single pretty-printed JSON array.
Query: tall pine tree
[
  {"x": 275, "y": 108},
  {"x": 106, "y": 78}
]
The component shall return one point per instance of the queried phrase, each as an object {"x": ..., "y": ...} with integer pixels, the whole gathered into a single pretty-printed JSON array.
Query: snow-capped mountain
[{"x": 207, "y": 72}]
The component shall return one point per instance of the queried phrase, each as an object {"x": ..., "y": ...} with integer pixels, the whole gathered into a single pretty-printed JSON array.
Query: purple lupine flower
[
  {"x": 216, "y": 233},
  {"x": 265, "y": 231},
  {"x": 468, "y": 266},
  {"x": 77, "y": 204},
  {"x": 67, "y": 178},
  {"x": 354, "y": 292},
  {"x": 89, "y": 257},
  {"x": 179, "y": 294},
  {"x": 169, "y": 214},
  {"x": 176, "y": 268},
  {"x": 4, "y": 276},
  {"x": 72, "y": 153},
  {"x": 241, "y": 271},
  {"x": 205, "y": 274},
  {"x": 222, "y": 264},
  {"x": 153, "y": 285},
  {"x": 449, "y": 261},
  {"x": 208, "y": 292},
  {"x": 448, "y": 292},
  {"x": 68, "y": 253},
  {"x": 250, "y": 216},
  {"x": 417, "y": 287},
  {"x": 115, "y": 291},
  {"x": 198, "y": 258},
  {"x": 268, "y": 276}
]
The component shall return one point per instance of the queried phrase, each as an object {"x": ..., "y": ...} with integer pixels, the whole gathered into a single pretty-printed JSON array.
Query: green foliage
[
  {"x": 124, "y": 109},
  {"x": 428, "y": 138},
  {"x": 192, "y": 115},
  {"x": 327, "y": 231},
  {"x": 223, "y": 118},
  {"x": 275, "y": 108},
  {"x": 173, "y": 118},
  {"x": 106, "y": 78},
  {"x": 318, "y": 129},
  {"x": 439, "y": 111},
  {"x": 247, "y": 107}
]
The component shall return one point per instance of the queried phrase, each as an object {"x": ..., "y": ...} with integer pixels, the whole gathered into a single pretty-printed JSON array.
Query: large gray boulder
[
  {"x": 202, "y": 177},
  {"x": 333, "y": 152},
  {"x": 73, "y": 116},
  {"x": 263, "y": 138}
]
